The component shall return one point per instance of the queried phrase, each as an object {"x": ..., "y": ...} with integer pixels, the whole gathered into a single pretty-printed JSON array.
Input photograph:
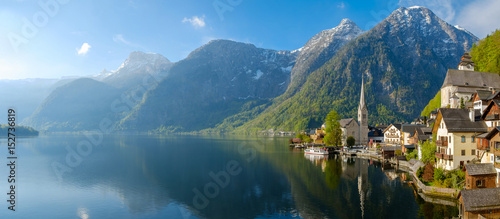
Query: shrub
[
  {"x": 428, "y": 175},
  {"x": 439, "y": 175},
  {"x": 412, "y": 155}
]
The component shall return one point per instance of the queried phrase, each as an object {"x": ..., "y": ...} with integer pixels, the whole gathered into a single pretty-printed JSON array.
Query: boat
[{"x": 318, "y": 151}]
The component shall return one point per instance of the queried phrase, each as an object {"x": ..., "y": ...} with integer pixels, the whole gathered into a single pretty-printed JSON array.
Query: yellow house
[{"x": 456, "y": 131}]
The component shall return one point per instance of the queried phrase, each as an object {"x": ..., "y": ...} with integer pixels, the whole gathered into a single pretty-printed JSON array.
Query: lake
[{"x": 138, "y": 176}]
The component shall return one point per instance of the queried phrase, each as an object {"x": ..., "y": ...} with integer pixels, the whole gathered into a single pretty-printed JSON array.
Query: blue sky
[{"x": 55, "y": 38}]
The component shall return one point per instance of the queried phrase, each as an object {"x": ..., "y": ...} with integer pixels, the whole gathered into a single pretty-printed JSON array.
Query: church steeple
[
  {"x": 362, "y": 103},
  {"x": 362, "y": 116}
]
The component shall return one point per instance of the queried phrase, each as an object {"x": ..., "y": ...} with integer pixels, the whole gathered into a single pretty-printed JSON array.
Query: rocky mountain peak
[{"x": 137, "y": 59}]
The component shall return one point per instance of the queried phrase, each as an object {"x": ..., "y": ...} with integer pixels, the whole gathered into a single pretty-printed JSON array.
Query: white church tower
[{"x": 362, "y": 117}]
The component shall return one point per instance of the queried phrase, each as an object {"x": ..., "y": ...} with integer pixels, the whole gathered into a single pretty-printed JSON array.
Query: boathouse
[
  {"x": 480, "y": 175},
  {"x": 480, "y": 203}
]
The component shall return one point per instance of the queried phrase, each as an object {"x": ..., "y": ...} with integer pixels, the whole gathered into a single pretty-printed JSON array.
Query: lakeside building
[
  {"x": 479, "y": 203},
  {"x": 456, "y": 131},
  {"x": 392, "y": 134},
  {"x": 358, "y": 129},
  {"x": 480, "y": 175}
]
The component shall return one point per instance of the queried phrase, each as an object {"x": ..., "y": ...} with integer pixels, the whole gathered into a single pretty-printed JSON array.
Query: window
[
  {"x": 473, "y": 139},
  {"x": 463, "y": 152},
  {"x": 449, "y": 139},
  {"x": 463, "y": 139},
  {"x": 497, "y": 145},
  {"x": 479, "y": 183},
  {"x": 473, "y": 152},
  {"x": 497, "y": 159}
]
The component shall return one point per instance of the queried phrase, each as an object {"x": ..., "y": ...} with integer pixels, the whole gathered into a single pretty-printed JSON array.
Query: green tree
[
  {"x": 485, "y": 53},
  {"x": 350, "y": 141},
  {"x": 332, "y": 129},
  {"x": 428, "y": 152},
  {"x": 462, "y": 104}
]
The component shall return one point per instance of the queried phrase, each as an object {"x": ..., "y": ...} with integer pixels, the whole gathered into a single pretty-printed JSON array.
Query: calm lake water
[{"x": 125, "y": 176}]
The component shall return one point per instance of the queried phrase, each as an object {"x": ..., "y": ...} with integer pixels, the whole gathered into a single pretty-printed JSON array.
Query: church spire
[{"x": 362, "y": 96}]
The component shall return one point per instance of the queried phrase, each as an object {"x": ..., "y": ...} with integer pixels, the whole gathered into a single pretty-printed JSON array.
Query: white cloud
[
  {"x": 196, "y": 21},
  {"x": 341, "y": 5},
  {"x": 84, "y": 49},
  {"x": 480, "y": 17}
]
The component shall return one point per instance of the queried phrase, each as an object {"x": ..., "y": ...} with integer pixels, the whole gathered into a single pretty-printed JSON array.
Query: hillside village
[{"x": 464, "y": 132}]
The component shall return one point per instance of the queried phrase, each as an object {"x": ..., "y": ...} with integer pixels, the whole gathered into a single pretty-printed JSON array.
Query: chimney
[{"x": 472, "y": 115}]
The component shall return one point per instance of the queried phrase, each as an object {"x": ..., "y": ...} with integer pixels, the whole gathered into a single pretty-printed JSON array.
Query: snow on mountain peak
[
  {"x": 346, "y": 30},
  {"x": 137, "y": 59}
]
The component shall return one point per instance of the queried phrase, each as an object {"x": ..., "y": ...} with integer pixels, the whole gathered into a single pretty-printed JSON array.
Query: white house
[
  {"x": 392, "y": 134},
  {"x": 456, "y": 131}
]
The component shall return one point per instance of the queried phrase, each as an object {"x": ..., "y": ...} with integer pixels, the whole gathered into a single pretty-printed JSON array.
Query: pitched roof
[
  {"x": 474, "y": 169},
  {"x": 483, "y": 94},
  {"x": 457, "y": 120},
  {"x": 481, "y": 199},
  {"x": 345, "y": 122},
  {"x": 489, "y": 135},
  {"x": 410, "y": 128},
  {"x": 488, "y": 108},
  {"x": 466, "y": 78},
  {"x": 397, "y": 126},
  {"x": 391, "y": 148}
]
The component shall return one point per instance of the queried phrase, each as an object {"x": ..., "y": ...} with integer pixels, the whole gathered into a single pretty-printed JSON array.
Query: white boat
[{"x": 318, "y": 151}]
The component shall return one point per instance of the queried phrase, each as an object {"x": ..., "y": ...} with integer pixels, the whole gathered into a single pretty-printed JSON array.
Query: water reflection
[{"x": 197, "y": 177}]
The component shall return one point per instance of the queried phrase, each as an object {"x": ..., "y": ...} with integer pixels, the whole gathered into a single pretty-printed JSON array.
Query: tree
[
  {"x": 332, "y": 129},
  {"x": 428, "y": 152},
  {"x": 462, "y": 104},
  {"x": 350, "y": 141}
]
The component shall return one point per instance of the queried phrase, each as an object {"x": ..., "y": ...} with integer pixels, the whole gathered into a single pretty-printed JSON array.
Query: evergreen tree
[{"x": 350, "y": 141}]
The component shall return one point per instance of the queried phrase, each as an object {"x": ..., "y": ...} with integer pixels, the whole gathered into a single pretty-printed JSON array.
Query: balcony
[
  {"x": 492, "y": 117},
  {"x": 447, "y": 157},
  {"x": 391, "y": 136},
  {"x": 439, "y": 155},
  {"x": 442, "y": 143}
]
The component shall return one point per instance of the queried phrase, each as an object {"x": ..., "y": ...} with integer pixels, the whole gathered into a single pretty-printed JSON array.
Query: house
[
  {"x": 317, "y": 136},
  {"x": 480, "y": 175},
  {"x": 392, "y": 134},
  {"x": 349, "y": 127},
  {"x": 390, "y": 152},
  {"x": 375, "y": 135},
  {"x": 482, "y": 98},
  {"x": 407, "y": 131},
  {"x": 488, "y": 146},
  {"x": 491, "y": 114},
  {"x": 479, "y": 203},
  {"x": 456, "y": 131},
  {"x": 463, "y": 83}
]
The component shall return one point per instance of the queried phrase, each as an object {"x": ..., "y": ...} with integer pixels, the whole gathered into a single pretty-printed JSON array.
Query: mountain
[
  {"x": 78, "y": 105},
  {"x": 24, "y": 95},
  {"x": 133, "y": 71},
  {"x": 403, "y": 60},
  {"x": 215, "y": 81},
  {"x": 319, "y": 49}
]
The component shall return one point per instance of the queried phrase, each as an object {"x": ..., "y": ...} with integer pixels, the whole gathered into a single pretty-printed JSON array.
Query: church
[{"x": 358, "y": 129}]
